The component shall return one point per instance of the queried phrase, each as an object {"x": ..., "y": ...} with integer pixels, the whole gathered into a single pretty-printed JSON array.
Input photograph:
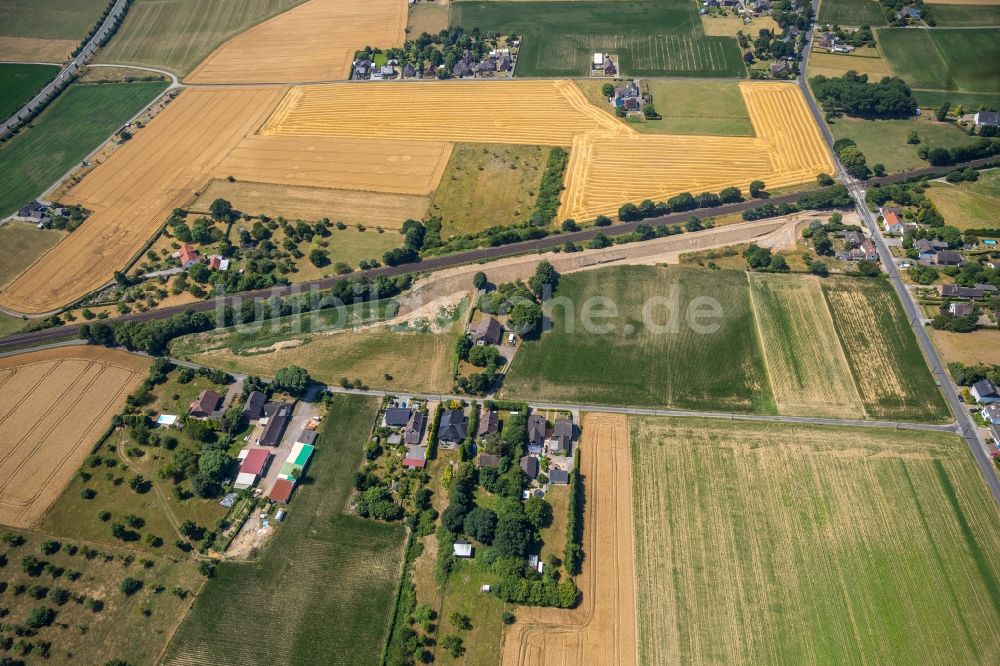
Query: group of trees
[
  {"x": 547, "y": 203},
  {"x": 854, "y": 95},
  {"x": 686, "y": 201},
  {"x": 763, "y": 260},
  {"x": 835, "y": 196},
  {"x": 854, "y": 160},
  {"x": 982, "y": 147},
  {"x": 967, "y": 375}
]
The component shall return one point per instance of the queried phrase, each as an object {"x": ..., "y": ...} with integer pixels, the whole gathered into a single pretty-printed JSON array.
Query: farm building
[
  {"x": 254, "y": 461},
  {"x": 204, "y": 405},
  {"x": 296, "y": 462},
  {"x": 453, "y": 425},
  {"x": 306, "y": 437},
  {"x": 558, "y": 477},
  {"x": 985, "y": 392},
  {"x": 277, "y": 415},
  {"x": 34, "y": 211},
  {"x": 253, "y": 408},
  {"x": 281, "y": 491}
]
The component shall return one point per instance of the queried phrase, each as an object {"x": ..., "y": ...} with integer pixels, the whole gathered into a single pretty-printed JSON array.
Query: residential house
[
  {"x": 780, "y": 67},
  {"x": 487, "y": 67},
  {"x": 853, "y": 239},
  {"x": 562, "y": 434},
  {"x": 985, "y": 392},
  {"x": 961, "y": 309},
  {"x": 388, "y": 72},
  {"x": 558, "y": 477},
  {"x": 609, "y": 68},
  {"x": 761, "y": 6},
  {"x": 891, "y": 220},
  {"x": 505, "y": 64},
  {"x": 204, "y": 405},
  {"x": 414, "y": 431},
  {"x": 488, "y": 460},
  {"x": 397, "y": 417},
  {"x": 487, "y": 332},
  {"x": 827, "y": 41},
  {"x": 867, "y": 251},
  {"x": 188, "y": 255},
  {"x": 908, "y": 13},
  {"x": 409, "y": 72},
  {"x": 991, "y": 118},
  {"x": 489, "y": 422},
  {"x": 362, "y": 69},
  {"x": 948, "y": 258},
  {"x": 453, "y": 426},
  {"x": 536, "y": 433},
  {"x": 991, "y": 412},
  {"x": 253, "y": 408},
  {"x": 529, "y": 465},
  {"x": 995, "y": 433},
  {"x": 277, "y": 415},
  {"x": 958, "y": 291},
  {"x": 462, "y": 548},
  {"x": 34, "y": 211},
  {"x": 430, "y": 70},
  {"x": 927, "y": 250}
]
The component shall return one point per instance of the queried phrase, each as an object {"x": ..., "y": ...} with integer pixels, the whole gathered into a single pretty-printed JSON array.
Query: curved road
[{"x": 71, "y": 68}]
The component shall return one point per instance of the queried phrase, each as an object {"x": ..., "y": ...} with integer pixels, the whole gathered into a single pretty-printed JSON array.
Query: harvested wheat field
[
  {"x": 602, "y": 630},
  {"x": 377, "y": 165},
  {"x": 610, "y": 163},
  {"x": 315, "y": 41},
  {"x": 536, "y": 112},
  {"x": 54, "y": 404},
  {"x": 133, "y": 192},
  {"x": 805, "y": 362},
  {"x": 771, "y": 543},
  {"x": 372, "y": 209}
]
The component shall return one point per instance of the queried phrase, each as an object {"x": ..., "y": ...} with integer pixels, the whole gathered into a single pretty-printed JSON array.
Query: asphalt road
[{"x": 70, "y": 69}]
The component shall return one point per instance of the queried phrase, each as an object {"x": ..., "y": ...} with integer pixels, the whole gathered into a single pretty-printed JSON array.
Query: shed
[
  {"x": 489, "y": 460},
  {"x": 297, "y": 459},
  {"x": 463, "y": 548},
  {"x": 558, "y": 477},
  {"x": 414, "y": 463},
  {"x": 306, "y": 437},
  {"x": 529, "y": 465}
]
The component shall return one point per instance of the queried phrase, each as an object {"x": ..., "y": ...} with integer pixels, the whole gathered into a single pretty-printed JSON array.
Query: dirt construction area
[
  {"x": 610, "y": 163},
  {"x": 54, "y": 404},
  {"x": 313, "y": 42},
  {"x": 602, "y": 630}
]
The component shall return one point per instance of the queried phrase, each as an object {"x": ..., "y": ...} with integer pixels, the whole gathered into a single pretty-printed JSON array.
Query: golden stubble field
[
  {"x": 313, "y": 42},
  {"x": 602, "y": 630},
  {"x": 777, "y": 543},
  {"x": 610, "y": 164},
  {"x": 54, "y": 404}
]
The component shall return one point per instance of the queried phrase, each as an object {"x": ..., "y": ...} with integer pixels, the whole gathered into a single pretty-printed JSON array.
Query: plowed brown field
[
  {"x": 603, "y": 629},
  {"x": 376, "y": 165},
  {"x": 133, "y": 192},
  {"x": 313, "y": 42},
  {"x": 610, "y": 163},
  {"x": 53, "y": 406}
]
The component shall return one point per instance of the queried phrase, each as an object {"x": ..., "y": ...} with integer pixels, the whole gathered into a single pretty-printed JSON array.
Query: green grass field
[
  {"x": 73, "y": 125},
  {"x": 968, "y": 204},
  {"x": 50, "y": 19},
  {"x": 178, "y": 34},
  {"x": 885, "y": 140},
  {"x": 322, "y": 591},
  {"x": 487, "y": 185},
  {"x": 687, "y": 106},
  {"x": 774, "y": 543},
  {"x": 943, "y": 59},
  {"x": 953, "y": 16},
  {"x": 932, "y": 99},
  {"x": 651, "y": 37},
  {"x": 23, "y": 243},
  {"x": 19, "y": 83},
  {"x": 634, "y": 364},
  {"x": 851, "y": 12},
  {"x": 881, "y": 349}
]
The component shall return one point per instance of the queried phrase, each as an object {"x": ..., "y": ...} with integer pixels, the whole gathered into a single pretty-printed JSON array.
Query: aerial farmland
[{"x": 499, "y": 332}]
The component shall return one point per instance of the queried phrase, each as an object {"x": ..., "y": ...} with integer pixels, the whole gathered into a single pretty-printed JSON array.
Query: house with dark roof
[
  {"x": 504, "y": 64},
  {"x": 852, "y": 239},
  {"x": 452, "y": 427},
  {"x": 780, "y": 67},
  {"x": 489, "y": 422},
  {"x": 562, "y": 434},
  {"x": 254, "y": 406},
  {"x": 204, "y": 405},
  {"x": 609, "y": 67},
  {"x": 489, "y": 460},
  {"x": 991, "y": 118},
  {"x": 34, "y": 211},
  {"x": 278, "y": 415},
  {"x": 397, "y": 417},
  {"x": 948, "y": 258},
  {"x": 985, "y": 392},
  {"x": 306, "y": 437},
  {"x": 408, "y": 71},
  {"x": 414, "y": 431},
  {"x": 961, "y": 309},
  {"x": 487, "y": 332},
  {"x": 529, "y": 465},
  {"x": 558, "y": 477},
  {"x": 958, "y": 291},
  {"x": 536, "y": 433},
  {"x": 927, "y": 249},
  {"x": 995, "y": 433}
]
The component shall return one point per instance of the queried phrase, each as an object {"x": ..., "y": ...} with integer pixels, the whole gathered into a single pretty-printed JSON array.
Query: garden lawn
[
  {"x": 663, "y": 362},
  {"x": 944, "y": 59},
  {"x": 323, "y": 589},
  {"x": 487, "y": 185},
  {"x": 19, "y": 83},
  {"x": 885, "y": 140},
  {"x": 851, "y": 12},
  {"x": 687, "y": 106},
  {"x": 650, "y": 37},
  {"x": 969, "y": 205},
  {"x": 76, "y": 123},
  {"x": 777, "y": 543},
  {"x": 178, "y": 34}
]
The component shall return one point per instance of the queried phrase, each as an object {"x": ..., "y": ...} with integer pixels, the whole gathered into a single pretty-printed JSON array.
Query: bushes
[
  {"x": 573, "y": 555},
  {"x": 547, "y": 204},
  {"x": 432, "y": 433}
]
